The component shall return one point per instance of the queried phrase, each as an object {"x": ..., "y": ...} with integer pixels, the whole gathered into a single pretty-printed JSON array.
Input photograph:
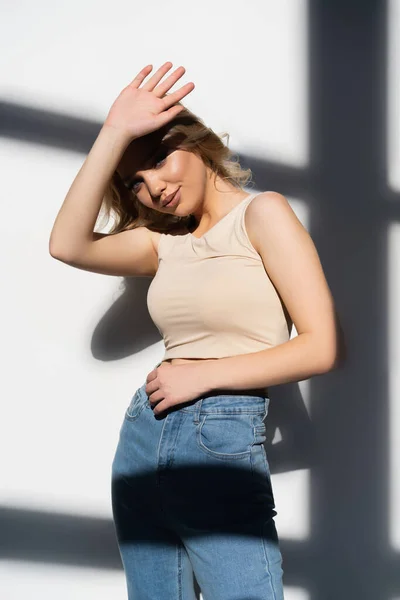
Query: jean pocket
[
  {"x": 135, "y": 407},
  {"x": 226, "y": 436}
]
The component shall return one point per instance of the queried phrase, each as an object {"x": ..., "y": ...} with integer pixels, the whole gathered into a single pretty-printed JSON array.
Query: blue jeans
[{"x": 191, "y": 493}]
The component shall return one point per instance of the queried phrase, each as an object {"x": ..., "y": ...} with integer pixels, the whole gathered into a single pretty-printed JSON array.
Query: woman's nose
[{"x": 156, "y": 189}]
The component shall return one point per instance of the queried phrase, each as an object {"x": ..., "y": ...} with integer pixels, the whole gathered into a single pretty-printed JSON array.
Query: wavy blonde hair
[{"x": 188, "y": 132}]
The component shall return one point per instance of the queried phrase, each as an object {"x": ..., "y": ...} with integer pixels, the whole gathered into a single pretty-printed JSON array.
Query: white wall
[{"x": 62, "y": 401}]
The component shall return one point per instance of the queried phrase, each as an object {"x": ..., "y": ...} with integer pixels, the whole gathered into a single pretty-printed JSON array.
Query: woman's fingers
[
  {"x": 171, "y": 99},
  {"x": 163, "y": 87},
  {"x": 140, "y": 76},
  {"x": 160, "y": 89},
  {"x": 158, "y": 75}
]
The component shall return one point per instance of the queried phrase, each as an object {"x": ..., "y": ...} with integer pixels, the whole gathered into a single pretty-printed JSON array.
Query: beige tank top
[{"x": 211, "y": 296}]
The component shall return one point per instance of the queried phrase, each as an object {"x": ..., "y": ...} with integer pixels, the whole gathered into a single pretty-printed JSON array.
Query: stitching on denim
[
  {"x": 132, "y": 402},
  {"x": 266, "y": 463},
  {"x": 137, "y": 407},
  {"x": 226, "y": 411},
  {"x": 175, "y": 443},
  {"x": 159, "y": 447},
  {"x": 266, "y": 558},
  {"x": 179, "y": 548},
  {"x": 252, "y": 445}
]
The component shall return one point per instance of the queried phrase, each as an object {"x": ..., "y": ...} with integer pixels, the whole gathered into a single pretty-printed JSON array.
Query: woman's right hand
[{"x": 141, "y": 110}]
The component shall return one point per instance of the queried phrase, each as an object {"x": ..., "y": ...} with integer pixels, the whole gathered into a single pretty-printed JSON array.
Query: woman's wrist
[
  {"x": 116, "y": 137},
  {"x": 209, "y": 374}
]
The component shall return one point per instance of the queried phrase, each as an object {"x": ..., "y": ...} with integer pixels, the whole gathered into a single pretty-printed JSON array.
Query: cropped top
[{"x": 211, "y": 296}]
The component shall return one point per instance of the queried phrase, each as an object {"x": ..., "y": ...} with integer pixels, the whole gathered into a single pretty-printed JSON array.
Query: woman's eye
[{"x": 158, "y": 160}]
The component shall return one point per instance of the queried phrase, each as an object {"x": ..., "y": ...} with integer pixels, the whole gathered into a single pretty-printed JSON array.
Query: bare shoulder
[
  {"x": 267, "y": 202},
  {"x": 269, "y": 210}
]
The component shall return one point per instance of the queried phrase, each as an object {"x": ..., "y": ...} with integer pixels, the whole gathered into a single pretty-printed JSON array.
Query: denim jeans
[{"x": 191, "y": 494}]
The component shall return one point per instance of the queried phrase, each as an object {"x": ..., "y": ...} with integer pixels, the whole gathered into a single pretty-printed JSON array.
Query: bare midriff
[{"x": 182, "y": 361}]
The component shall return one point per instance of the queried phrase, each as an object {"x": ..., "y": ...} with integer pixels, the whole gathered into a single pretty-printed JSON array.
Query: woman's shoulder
[
  {"x": 267, "y": 197},
  {"x": 266, "y": 203},
  {"x": 265, "y": 209}
]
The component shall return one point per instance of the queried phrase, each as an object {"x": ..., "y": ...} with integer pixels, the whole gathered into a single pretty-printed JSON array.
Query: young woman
[{"x": 191, "y": 486}]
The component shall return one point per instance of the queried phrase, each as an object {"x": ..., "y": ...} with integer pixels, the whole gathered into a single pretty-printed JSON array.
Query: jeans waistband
[{"x": 226, "y": 404}]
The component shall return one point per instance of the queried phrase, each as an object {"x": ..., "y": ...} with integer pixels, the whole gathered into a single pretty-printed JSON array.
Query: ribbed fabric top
[{"x": 212, "y": 297}]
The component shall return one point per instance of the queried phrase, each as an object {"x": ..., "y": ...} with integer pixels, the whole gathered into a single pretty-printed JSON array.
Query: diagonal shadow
[{"x": 58, "y": 538}]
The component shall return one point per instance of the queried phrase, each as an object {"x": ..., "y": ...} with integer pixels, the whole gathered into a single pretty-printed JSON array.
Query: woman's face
[{"x": 155, "y": 170}]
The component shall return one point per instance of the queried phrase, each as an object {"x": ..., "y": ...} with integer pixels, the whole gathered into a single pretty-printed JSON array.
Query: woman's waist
[{"x": 220, "y": 391}]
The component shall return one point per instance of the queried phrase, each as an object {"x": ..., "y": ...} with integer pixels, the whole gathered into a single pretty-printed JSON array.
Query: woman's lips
[{"x": 174, "y": 200}]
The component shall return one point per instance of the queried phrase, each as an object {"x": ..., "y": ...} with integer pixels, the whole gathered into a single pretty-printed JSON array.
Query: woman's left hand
[{"x": 168, "y": 385}]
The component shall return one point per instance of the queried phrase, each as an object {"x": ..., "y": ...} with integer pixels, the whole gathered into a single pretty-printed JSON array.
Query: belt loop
[
  {"x": 266, "y": 406},
  {"x": 197, "y": 409}
]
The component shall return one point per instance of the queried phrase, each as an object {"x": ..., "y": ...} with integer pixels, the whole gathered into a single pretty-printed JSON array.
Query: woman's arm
[
  {"x": 294, "y": 360},
  {"x": 292, "y": 263},
  {"x": 76, "y": 219}
]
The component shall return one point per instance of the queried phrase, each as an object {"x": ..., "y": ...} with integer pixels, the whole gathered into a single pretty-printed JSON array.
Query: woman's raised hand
[{"x": 141, "y": 110}]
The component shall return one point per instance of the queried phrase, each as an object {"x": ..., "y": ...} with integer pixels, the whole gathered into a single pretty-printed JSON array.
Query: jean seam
[
  {"x": 159, "y": 450},
  {"x": 267, "y": 561},
  {"x": 265, "y": 462},
  {"x": 179, "y": 548}
]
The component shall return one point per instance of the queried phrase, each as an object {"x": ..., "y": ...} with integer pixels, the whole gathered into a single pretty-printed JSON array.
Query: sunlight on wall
[
  {"x": 275, "y": 87},
  {"x": 295, "y": 593},
  {"x": 393, "y": 109},
  {"x": 291, "y": 493}
]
